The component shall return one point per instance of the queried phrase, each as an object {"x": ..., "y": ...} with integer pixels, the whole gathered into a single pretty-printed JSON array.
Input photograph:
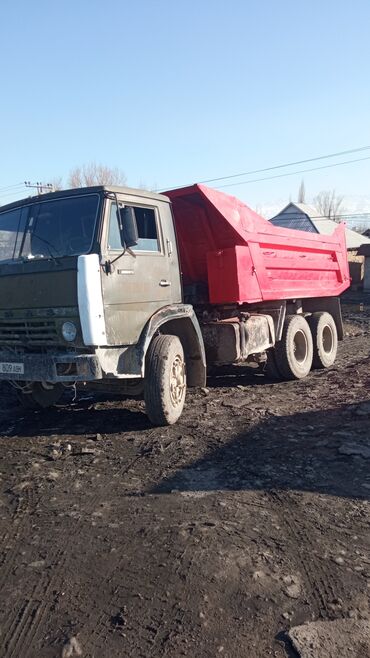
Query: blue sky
[{"x": 173, "y": 92}]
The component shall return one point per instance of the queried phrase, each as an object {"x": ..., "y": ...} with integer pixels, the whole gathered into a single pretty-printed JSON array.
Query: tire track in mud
[
  {"x": 100, "y": 627},
  {"x": 156, "y": 625},
  {"x": 25, "y": 624},
  {"x": 20, "y": 522},
  {"x": 97, "y": 623},
  {"x": 22, "y": 625},
  {"x": 18, "y": 624},
  {"x": 320, "y": 585},
  {"x": 170, "y": 621}
]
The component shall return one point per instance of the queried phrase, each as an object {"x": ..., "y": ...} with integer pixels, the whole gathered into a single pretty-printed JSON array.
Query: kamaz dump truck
[{"x": 106, "y": 284}]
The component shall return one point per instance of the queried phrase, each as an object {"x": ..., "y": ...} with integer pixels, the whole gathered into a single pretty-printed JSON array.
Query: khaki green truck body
[{"x": 116, "y": 299}]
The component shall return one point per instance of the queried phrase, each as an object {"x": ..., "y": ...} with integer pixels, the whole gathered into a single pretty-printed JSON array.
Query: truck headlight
[{"x": 69, "y": 331}]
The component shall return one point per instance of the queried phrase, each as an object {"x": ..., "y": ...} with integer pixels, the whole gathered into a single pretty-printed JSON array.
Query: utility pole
[{"x": 41, "y": 188}]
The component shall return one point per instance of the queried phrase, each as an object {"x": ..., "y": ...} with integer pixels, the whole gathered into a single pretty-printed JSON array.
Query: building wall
[
  {"x": 356, "y": 268},
  {"x": 367, "y": 274}
]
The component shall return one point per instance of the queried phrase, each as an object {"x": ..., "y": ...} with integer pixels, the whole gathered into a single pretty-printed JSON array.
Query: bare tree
[
  {"x": 329, "y": 204},
  {"x": 360, "y": 228},
  {"x": 57, "y": 183},
  {"x": 143, "y": 185},
  {"x": 95, "y": 174},
  {"x": 258, "y": 209},
  {"x": 302, "y": 193}
]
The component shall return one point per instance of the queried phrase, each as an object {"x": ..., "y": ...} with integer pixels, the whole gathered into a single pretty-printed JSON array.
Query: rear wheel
[
  {"x": 294, "y": 352},
  {"x": 39, "y": 395},
  {"x": 270, "y": 369},
  {"x": 165, "y": 380},
  {"x": 325, "y": 339}
]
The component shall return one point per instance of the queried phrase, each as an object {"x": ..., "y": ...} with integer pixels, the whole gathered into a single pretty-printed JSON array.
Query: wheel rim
[
  {"x": 177, "y": 381},
  {"x": 327, "y": 339},
  {"x": 300, "y": 346}
]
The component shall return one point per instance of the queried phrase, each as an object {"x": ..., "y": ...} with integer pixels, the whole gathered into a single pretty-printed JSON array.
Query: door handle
[{"x": 164, "y": 283}]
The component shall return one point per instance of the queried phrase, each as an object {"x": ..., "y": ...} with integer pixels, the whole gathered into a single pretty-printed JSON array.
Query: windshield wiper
[{"x": 49, "y": 247}]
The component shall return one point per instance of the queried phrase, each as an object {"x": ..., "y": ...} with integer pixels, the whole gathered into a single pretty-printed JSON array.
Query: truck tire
[
  {"x": 40, "y": 395},
  {"x": 26, "y": 400},
  {"x": 294, "y": 352},
  {"x": 270, "y": 368},
  {"x": 325, "y": 339},
  {"x": 165, "y": 380}
]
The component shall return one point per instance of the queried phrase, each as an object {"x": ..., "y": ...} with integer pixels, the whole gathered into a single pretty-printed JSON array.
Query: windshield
[{"x": 49, "y": 229}]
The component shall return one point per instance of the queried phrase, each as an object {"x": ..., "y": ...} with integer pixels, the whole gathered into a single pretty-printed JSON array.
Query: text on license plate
[{"x": 12, "y": 368}]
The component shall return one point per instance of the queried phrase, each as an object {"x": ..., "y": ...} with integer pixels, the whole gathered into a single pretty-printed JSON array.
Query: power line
[
  {"x": 40, "y": 187},
  {"x": 292, "y": 173},
  {"x": 364, "y": 215},
  {"x": 22, "y": 190},
  {"x": 345, "y": 215},
  {"x": 17, "y": 192},
  {"x": 10, "y": 187},
  {"x": 279, "y": 166}
]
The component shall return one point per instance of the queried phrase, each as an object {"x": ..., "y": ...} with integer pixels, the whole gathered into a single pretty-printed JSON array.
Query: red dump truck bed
[{"x": 243, "y": 258}]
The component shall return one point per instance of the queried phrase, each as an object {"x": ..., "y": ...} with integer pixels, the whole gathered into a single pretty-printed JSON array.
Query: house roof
[
  {"x": 364, "y": 250},
  {"x": 311, "y": 211},
  {"x": 322, "y": 225},
  {"x": 354, "y": 240}
]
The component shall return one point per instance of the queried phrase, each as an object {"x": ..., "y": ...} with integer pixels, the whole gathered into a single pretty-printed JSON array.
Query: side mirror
[{"x": 128, "y": 227}]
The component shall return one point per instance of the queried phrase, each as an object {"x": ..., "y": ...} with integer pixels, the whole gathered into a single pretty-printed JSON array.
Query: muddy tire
[
  {"x": 40, "y": 396},
  {"x": 294, "y": 352},
  {"x": 270, "y": 368},
  {"x": 26, "y": 401},
  {"x": 325, "y": 339},
  {"x": 165, "y": 380}
]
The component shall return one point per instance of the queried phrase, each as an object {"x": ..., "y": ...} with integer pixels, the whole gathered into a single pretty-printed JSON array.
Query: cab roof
[{"x": 129, "y": 191}]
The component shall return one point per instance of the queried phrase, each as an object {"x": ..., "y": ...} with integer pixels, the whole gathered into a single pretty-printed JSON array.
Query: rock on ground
[{"x": 342, "y": 638}]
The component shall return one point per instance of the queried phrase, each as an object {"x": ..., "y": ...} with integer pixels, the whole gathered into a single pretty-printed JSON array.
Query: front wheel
[
  {"x": 39, "y": 395},
  {"x": 165, "y": 380}
]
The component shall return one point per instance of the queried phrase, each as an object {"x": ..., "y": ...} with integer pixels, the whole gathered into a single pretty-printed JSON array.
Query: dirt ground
[{"x": 209, "y": 538}]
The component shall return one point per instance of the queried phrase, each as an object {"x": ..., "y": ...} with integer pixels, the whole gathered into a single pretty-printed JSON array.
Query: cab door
[{"x": 145, "y": 278}]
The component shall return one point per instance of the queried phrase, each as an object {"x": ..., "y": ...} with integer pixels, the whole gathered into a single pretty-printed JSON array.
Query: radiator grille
[{"x": 28, "y": 332}]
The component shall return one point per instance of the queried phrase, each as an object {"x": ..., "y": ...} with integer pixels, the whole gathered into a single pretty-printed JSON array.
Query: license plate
[{"x": 12, "y": 368}]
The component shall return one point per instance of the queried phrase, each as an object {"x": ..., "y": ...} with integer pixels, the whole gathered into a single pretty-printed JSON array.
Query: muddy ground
[{"x": 209, "y": 538}]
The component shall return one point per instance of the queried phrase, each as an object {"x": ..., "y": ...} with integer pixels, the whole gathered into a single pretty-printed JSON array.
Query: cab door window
[{"x": 146, "y": 227}]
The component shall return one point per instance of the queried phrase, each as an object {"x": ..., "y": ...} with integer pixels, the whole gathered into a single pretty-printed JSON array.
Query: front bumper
[{"x": 51, "y": 367}]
